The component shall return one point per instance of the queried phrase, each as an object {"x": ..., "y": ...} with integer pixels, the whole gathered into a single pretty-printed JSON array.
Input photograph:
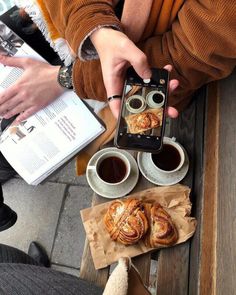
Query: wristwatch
[{"x": 64, "y": 77}]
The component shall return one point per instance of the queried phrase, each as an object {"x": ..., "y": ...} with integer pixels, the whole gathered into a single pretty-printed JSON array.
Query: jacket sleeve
[
  {"x": 201, "y": 46},
  {"x": 87, "y": 79},
  {"x": 76, "y": 20}
]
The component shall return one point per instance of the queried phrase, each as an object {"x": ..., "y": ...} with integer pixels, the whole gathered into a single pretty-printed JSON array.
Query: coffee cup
[
  {"x": 155, "y": 99},
  {"x": 136, "y": 104},
  {"x": 170, "y": 159},
  {"x": 112, "y": 168}
]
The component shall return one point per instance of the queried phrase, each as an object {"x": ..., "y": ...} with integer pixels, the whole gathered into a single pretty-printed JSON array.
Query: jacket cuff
[{"x": 86, "y": 50}]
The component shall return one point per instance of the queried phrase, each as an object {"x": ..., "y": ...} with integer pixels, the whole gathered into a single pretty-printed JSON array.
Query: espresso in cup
[
  {"x": 170, "y": 158},
  {"x": 112, "y": 168},
  {"x": 135, "y": 104}
]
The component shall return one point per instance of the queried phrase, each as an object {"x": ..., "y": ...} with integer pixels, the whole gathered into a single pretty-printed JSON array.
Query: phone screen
[{"x": 142, "y": 118}]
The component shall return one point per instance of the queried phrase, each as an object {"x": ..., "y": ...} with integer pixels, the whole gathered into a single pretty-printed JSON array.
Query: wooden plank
[
  {"x": 197, "y": 192},
  {"x": 172, "y": 270},
  {"x": 226, "y": 202},
  {"x": 173, "y": 263},
  {"x": 143, "y": 263},
  {"x": 207, "y": 271},
  {"x": 87, "y": 269}
]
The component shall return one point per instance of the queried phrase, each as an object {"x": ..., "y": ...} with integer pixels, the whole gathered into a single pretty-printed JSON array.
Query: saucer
[
  {"x": 159, "y": 178},
  {"x": 115, "y": 191}
]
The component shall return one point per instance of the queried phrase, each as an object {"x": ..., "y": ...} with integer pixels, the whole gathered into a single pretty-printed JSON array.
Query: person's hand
[
  {"x": 35, "y": 89},
  {"x": 117, "y": 52}
]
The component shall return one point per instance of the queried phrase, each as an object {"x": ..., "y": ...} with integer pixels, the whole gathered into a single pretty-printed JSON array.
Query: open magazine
[{"x": 42, "y": 143}]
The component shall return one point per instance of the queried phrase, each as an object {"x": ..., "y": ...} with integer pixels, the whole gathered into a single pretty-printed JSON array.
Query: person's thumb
[{"x": 17, "y": 62}]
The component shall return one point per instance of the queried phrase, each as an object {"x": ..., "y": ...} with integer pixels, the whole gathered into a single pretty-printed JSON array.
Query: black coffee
[
  {"x": 168, "y": 159},
  {"x": 157, "y": 98},
  {"x": 112, "y": 170},
  {"x": 135, "y": 103}
]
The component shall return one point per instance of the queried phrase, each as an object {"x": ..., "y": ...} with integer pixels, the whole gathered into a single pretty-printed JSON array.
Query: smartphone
[{"x": 141, "y": 123}]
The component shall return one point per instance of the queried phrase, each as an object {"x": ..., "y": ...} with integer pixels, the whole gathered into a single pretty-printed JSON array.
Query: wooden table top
[
  {"x": 206, "y": 263},
  {"x": 170, "y": 267}
]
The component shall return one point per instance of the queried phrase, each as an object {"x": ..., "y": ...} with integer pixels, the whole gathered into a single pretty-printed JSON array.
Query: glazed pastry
[
  {"x": 126, "y": 221},
  {"x": 144, "y": 121},
  {"x": 162, "y": 229}
]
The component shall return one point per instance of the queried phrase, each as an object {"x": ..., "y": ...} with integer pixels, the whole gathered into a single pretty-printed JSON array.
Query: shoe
[
  {"x": 8, "y": 217},
  {"x": 38, "y": 254}
]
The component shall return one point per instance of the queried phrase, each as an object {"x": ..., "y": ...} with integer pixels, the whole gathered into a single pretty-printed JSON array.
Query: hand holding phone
[{"x": 141, "y": 122}]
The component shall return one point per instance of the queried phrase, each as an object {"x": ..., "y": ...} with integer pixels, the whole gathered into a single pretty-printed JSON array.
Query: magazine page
[
  {"x": 37, "y": 145},
  {"x": 43, "y": 142}
]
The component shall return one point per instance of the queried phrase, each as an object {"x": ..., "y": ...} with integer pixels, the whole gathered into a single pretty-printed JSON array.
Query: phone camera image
[
  {"x": 141, "y": 120},
  {"x": 143, "y": 111}
]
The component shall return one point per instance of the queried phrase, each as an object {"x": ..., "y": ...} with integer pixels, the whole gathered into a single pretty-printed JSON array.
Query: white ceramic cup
[
  {"x": 179, "y": 149},
  {"x": 99, "y": 164},
  {"x": 151, "y": 102},
  {"x": 138, "y": 98}
]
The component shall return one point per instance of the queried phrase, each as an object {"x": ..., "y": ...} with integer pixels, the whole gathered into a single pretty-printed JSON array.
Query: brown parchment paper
[{"x": 174, "y": 199}]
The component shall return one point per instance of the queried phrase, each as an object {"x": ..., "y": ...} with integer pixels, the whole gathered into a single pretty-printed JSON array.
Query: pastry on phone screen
[{"x": 138, "y": 123}]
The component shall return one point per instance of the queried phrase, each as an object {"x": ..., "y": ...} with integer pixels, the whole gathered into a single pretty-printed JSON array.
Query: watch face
[{"x": 65, "y": 77}]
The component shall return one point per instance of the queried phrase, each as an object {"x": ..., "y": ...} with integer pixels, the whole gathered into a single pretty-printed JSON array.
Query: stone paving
[{"x": 50, "y": 214}]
